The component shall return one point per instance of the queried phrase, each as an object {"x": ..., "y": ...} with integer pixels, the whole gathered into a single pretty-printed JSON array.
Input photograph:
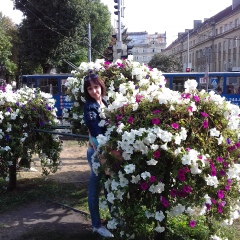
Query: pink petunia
[
  {"x": 156, "y": 111},
  {"x": 204, "y": 114},
  {"x": 219, "y": 209},
  {"x": 205, "y": 123},
  {"x": 144, "y": 186},
  {"x": 220, "y": 194},
  {"x": 156, "y": 154},
  {"x": 130, "y": 119},
  {"x": 196, "y": 98},
  {"x": 192, "y": 223},
  {"x": 219, "y": 159},
  {"x": 175, "y": 126},
  {"x": 164, "y": 201},
  {"x": 139, "y": 98},
  {"x": 173, "y": 192},
  {"x": 152, "y": 179},
  {"x": 189, "y": 109},
  {"x": 187, "y": 189},
  {"x": 155, "y": 121},
  {"x": 181, "y": 177}
]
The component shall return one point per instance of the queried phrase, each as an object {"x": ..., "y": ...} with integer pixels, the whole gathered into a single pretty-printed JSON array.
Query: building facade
[
  {"x": 146, "y": 45},
  {"x": 212, "y": 45}
]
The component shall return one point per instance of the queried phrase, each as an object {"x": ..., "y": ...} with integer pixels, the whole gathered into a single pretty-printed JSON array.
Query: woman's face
[{"x": 95, "y": 91}]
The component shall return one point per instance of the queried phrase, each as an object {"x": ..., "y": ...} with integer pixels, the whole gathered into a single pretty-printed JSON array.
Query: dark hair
[{"x": 93, "y": 78}]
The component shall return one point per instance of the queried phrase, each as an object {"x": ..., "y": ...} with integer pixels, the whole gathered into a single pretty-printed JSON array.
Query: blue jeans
[{"x": 94, "y": 189}]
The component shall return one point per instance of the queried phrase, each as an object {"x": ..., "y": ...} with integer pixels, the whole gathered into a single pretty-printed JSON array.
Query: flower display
[
  {"x": 21, "y": 112},
  {"x": 177, "y": 152}
]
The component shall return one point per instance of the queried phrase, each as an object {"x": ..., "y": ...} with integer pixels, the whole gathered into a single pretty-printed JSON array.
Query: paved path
[{"x": 42, "y": 217}]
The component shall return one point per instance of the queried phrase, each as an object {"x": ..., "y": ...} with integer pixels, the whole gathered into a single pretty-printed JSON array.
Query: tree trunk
[{"x": 12, "y": 176}]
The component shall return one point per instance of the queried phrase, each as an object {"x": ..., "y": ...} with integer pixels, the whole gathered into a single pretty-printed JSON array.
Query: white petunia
[
  {"x": 130, "y": 168},
  {"x": 152, "y": 162},
  {"x": 214, "y": 132},
  {"x": 135, "y": 179},
  {"x": 211, "y": 181},
  {"x": 159, "y": 216},
  {"x": 145, "y": 174}
]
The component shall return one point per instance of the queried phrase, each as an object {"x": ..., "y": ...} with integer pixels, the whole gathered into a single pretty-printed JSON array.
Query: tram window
[
  {"x": 233, "y": 86},
  {"x": 48, "y": 85},
  {"x": 30, "y": 83}
]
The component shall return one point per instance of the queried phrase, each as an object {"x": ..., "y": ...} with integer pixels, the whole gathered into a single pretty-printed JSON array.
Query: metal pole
[
  {"x": 188, "y": 51},
  {"x": 89, "y": 43},
  {"x": 119, "y": 20}
]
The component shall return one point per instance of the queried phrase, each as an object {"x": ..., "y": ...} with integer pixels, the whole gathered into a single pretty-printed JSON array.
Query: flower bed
[{"x": 179, "y": 151}]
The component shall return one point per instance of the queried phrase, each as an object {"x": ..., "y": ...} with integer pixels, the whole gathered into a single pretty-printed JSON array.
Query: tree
[
  {"x": 165, "y": 63},
  {"x": 7, "y": 32},
  {"x": 55, "y": 30}
]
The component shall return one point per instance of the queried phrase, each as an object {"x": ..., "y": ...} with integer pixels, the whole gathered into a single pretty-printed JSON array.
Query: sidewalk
[{"x": 44, "y": 217}]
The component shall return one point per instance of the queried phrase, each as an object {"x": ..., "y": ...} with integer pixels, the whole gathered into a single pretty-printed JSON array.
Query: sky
[{"x": 170, "y": 16}]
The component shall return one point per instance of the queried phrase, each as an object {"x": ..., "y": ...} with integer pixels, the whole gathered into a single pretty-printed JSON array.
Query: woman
[{"x": 94, "y": 90}]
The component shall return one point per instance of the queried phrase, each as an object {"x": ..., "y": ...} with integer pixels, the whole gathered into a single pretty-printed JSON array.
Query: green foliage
[
  {"x": 7, "y": 31},
  {"x": 55, "y": 30},
  {"x": 22, "y": 112},
  {"x": 166, "y": 63}
]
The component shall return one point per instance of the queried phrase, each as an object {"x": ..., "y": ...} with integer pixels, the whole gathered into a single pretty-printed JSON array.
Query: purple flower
[
  {"x": 192, "y": 223},
  {"x": 196, "y": 98},
  {"x": 155, "y": 121},
  {"x": 152, "y": 179},
  {"x": 181, "y": 177},
  {"x": 187, "y": 189},
  {"x": 156, "y": 111},
  {"x": 204, "y": 114},
  {"x": 175, "y": 126},
  {"x": 144, "y": 186},
  {"x": 156, "y": 154},
  {"x": 130, "y": 119},
  {"x": 220, "y": 194},
  {"x": 213, "y": 201},
  {"x": 173, "y": 192},
  {"x": 219, "y": 159},
  {"x": 164, "y": 201},
  {"x": 139, "y": 98},
  {"x": 222, "y": 172},
  {"x": 205, "y": 123},
  {"x": 228, "y": 141}
]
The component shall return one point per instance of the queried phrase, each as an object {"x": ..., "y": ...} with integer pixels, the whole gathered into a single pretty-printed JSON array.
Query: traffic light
[
  {"x": 117, "y": 6},
  {"x": 110, "y": 54},
  {"x": 129, "y": 49},
  {"x": 188, "y": 69}
]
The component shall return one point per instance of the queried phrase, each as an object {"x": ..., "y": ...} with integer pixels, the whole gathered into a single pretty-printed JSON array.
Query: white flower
[
  {"x": 145, "y": 174},
  {"x": 211, "y": 181},
  {"x": 135, "y": 179},
  {"x": 152, "y": 162},
  {"x": 130, "y": 168},
  {"x": 112, "y": 224},
  {"x": 157, "y": 188},
  {"x": 159, "y": 216},
  {"x": 159, "y": 229},
  {"x": 110, "y": 197},
  {"x": 214, "y": 132},
  {"x": 190, "y": 85}
]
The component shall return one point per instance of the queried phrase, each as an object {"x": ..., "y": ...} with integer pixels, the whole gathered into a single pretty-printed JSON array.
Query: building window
[
  {"x": 236, "y": 23},
  {"x": 230, "y": 44},
  {"x": 225, "y": 28},
  {"x": 230, "y": 25},
  {"x": 221, "y": 30},
  {"x": 219, "y": 47},
  {"x": 153, "y": 50},
  {"x": 216, "y": 31},
  {"x": 224, "y": 46}
]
